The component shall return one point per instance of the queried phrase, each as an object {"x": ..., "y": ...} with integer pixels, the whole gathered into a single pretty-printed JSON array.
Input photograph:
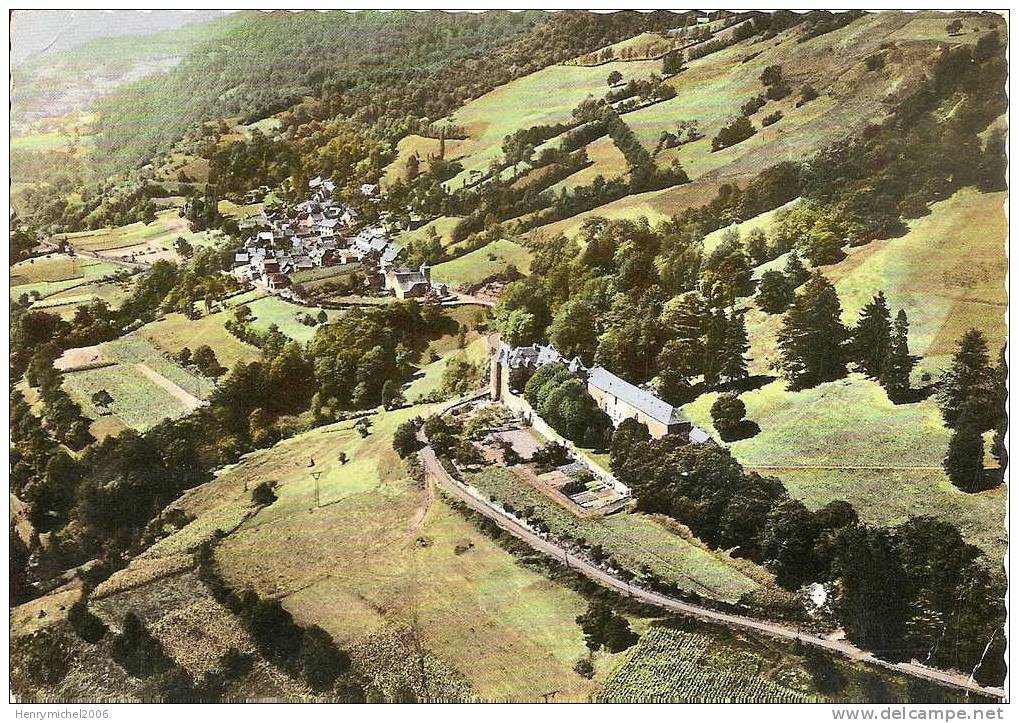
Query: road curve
[{"x": 435, "y": 469}]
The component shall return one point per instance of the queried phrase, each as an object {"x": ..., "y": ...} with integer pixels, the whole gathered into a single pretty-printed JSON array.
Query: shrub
[
  {"x": 727, "y": 413},
  {"x": 778, "y": 91},
  {"x": 771, "y": 75},
  {"x": 736, "y": 131},
  {"x": 263, "y": 494},
  {"x": 753, "y": 105},
  {"x": 584, "y": 668},
  {"x": 771, "y": 118},
  {"x": 807, "y": 94}
]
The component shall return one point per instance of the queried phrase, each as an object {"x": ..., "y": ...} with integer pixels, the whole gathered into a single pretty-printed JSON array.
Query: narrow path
[
  {"x": 954, "y": 679},
  {"x": 137, "y": 265},
  {"x": 189, "y": 400}
]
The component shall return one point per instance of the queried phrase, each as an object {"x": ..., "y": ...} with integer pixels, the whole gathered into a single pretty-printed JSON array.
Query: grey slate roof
[{"x": 636, "y": 397}]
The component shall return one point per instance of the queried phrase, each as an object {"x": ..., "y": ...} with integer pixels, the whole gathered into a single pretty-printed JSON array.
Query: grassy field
[
  {"x": 173, "y": 332},
  {"x": 482, "y": 263},
  {"x": 271, "y": 310},
  {"x": 844, "y": 439},
  {"x": 63, "y": 282},
  {"x": 55, "y": 268},
  {"x": 948, "y": 273},
  {"x": 146, "y": 387},
  {"x": 443, "y": 226},
  {"x": 710, "y": 91},
  {"x": 144, "y": 242},
  {"x": 423, "y": 147},
  {"x": 639, "y": 47},
  {"x": 546, "y": 96},
  {"x": 606, "y": 161},
  {"x": 429, "y": 379},
  {"x": 633, "y": 539},
  {"x": 65, "y": 303},
  {"x": 378, "y": 566}
]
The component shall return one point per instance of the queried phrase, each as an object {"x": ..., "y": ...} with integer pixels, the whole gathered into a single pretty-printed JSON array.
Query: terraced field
[
  {"x": 143, "y": 242},
  {"x": 672, "y": 665},
  {"x": 146, "y": 387},
  {"x": 633, "y": 539}
]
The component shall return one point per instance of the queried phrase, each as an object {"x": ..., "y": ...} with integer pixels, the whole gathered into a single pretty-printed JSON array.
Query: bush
[
  {"x": 771, "y": 75},
  {"x": 584, "y": 668},
  {"x": 778, "y": 91},
  {"x": 771, "y": 118},
  {"x": 736, "y": 131},
  {"x": 753, "y": 105},
  {"x": 807, "y": 94},
  {"x": 263, "y": 494},
  {"x": 727, "y": 413}
]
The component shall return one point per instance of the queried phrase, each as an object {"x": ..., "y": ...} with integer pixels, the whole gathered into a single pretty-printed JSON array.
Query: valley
[{"x": 512, "y": 356}]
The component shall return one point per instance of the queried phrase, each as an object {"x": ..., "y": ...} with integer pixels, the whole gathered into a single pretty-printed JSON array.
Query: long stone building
[{"x": 617, "y": 397}]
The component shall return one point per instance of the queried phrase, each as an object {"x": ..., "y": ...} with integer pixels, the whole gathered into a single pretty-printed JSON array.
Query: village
[{"x": 320, "y": 232}]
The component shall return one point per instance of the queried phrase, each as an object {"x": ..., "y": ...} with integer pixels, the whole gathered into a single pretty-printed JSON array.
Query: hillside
[{"x": 264, "y": 268}]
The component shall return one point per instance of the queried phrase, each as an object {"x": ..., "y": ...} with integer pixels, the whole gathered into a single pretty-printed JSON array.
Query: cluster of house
[
  {"x": 321, "y": 232},
  {"x": 615, "y": 396}
]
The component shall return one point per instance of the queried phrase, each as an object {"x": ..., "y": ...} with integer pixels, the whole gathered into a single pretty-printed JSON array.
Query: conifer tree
[
  {"x": 899, "y": 362},
  {"x": 795, "y": 271},
  {"x": 969, "y": 381},
  {"x": 812, "y": 336},
  {"x": 964, "y": 463},
  {"x": 1001, "y": 411},
  {"x": 872, "y": 336},
  {"x": 734, "y": 360},
  {"x": 714, "y": 346},
  {"x": 774, "y": 292}
]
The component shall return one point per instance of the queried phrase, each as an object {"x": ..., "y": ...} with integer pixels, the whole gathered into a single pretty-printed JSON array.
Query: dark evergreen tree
[
  {"x": 969, "y": 382},
  {"x": 714, "y": 346},
  {"x": 775, "y": 292},
  {"x": 964, "y": 463},
  {"x": 812, "y": 336},
  {"x": 899, "y": 363},
  {"x": 795, "y": 271},
  {"x": 1001, "y": 411},
  {"x": 736, "y": 345},
  {"x": 872, "y": 337}
]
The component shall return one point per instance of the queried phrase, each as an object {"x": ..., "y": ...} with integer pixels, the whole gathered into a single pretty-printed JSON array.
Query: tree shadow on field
[{"x": 747, "y": 385}]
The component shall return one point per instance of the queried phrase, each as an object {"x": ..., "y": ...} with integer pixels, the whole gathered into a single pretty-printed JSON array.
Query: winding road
[{"x": 435, "y": 469}]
